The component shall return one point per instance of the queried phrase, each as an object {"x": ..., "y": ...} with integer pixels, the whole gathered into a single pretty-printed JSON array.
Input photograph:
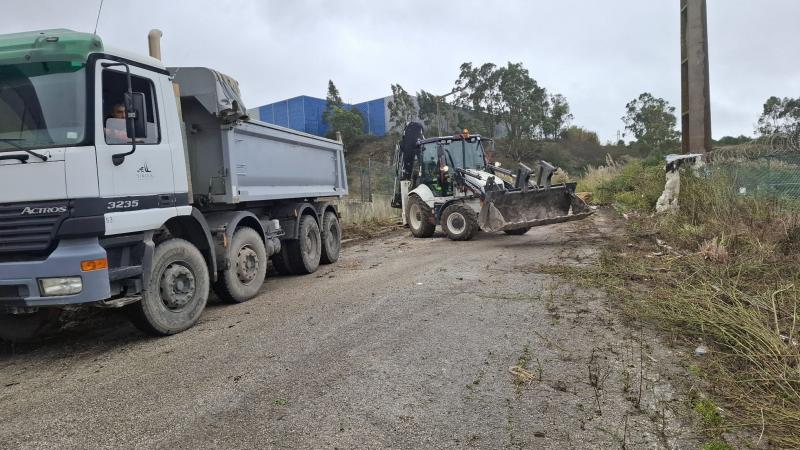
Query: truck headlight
[{"x": 60, "y": 286}]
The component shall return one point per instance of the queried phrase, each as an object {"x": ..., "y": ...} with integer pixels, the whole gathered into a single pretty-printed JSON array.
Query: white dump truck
[{"x": 128, "y": 184}]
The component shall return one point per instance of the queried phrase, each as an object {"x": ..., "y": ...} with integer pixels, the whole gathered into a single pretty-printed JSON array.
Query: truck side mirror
[{"x": 136, "y": 120}]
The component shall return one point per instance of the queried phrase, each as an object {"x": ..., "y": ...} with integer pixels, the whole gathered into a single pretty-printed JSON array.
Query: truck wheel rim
[
  {"x": 456, "y": 222},
  {"x": 333, "y": 233},
  {"x": 247, "y": 265},
  {"x": 312, "y": 245},
  {"x": 415, "y": 216},
  {"x": 177, "y": 286}
]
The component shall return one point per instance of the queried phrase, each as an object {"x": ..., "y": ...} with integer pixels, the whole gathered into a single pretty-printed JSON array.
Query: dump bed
[{"x": 234, "y": 159}]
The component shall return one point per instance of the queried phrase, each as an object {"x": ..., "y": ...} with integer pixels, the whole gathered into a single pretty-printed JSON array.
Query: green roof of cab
[{"x": 48, "y": 45}]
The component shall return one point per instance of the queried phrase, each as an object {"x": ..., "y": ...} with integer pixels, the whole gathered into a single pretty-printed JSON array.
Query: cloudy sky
[{"x": 599, "y": 54}]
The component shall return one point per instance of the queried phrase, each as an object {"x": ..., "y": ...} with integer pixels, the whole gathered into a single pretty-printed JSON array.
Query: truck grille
[{"x": 29, "y": 228}]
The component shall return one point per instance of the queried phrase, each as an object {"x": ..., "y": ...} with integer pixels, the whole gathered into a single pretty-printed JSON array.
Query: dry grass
[
  {"x": 597, "y": 176},
  {"x": 729, "y": 274}
]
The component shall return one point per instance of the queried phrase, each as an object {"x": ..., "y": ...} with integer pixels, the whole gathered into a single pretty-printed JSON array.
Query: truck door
[{"x": 144, "y": 181}]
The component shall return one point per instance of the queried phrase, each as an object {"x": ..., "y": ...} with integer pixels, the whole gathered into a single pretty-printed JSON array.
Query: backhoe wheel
[
  {"x": 517, "y": 232},
  {"x": 331, "y": 238},
  {"x": 304, "y": 253},
  {"x": 245, "y": 275},
  {"x": 177, "y": 291},
  {"x": 28, "y": 326},
  {"x": 420, "y": 218},
  {"x": 459, "y": 222}
]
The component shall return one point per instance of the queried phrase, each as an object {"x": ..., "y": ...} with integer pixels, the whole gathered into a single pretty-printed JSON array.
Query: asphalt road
[{"x": 404, "y": 343}]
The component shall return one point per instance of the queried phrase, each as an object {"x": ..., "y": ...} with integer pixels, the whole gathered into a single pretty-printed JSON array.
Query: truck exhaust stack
[{"x": 154, "y": 43}]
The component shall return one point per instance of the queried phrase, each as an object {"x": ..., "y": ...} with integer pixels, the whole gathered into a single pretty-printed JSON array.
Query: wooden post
[{"x": 695, "y": 90}]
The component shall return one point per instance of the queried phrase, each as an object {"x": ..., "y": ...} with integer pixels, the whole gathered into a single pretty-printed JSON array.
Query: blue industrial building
[{"x": 304, "y": 113}]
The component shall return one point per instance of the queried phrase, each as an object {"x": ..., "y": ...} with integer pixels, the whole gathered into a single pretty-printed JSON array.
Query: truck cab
[{"x": 95, "y": 175}]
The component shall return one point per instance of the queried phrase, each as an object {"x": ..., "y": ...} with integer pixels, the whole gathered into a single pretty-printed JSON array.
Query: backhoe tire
[
  {"x": 304, "y": 252},
  {"x": 460, "y": 222},
  {"x": 420, "y": 218},
  {"x": 177, "y": 292},
  {"x": 331, "y": 238},
  {"x": 517, "y": 232},
  {"x": 21, "y": 328},
  {"x": 245, "y": 275}
]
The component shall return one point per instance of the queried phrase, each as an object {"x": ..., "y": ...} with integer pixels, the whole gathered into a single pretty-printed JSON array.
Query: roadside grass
[{"x": 725, "y": 271}]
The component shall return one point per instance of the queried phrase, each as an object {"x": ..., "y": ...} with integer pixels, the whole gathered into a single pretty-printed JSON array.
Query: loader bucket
[{"x": 506, "y": 210}]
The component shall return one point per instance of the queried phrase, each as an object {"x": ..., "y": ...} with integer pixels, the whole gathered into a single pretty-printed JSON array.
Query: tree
[
  {"x": 429, "y": 106},
  {"x": 510, "y": 96},
  {"x": 652, "y": 122},
  {"x": 731, "y": 140},
  {"x": 349, "y": 123},
  {"x": 478, "y": 89},
  {"x": 557, "y": 117},
  {"x": 333, "y": 100},
  {"x": 523, "y": 103},
  {"x": 780, "y": 116},
  {"x": 578, "y": 134},
  {"x": 402, "y": 108}
]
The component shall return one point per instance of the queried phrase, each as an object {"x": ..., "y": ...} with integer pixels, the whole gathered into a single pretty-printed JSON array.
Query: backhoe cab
[{"x": 447, "y": 181}]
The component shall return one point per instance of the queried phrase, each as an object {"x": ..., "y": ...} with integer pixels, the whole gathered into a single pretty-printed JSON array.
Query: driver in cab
[{"x": 115, "y": 128}]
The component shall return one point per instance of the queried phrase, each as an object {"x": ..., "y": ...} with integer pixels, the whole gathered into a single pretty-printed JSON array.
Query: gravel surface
[{"x": 404, "y": 343}]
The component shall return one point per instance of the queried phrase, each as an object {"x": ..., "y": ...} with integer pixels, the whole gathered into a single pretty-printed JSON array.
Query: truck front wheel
[
  {"x": 245, "y": 274},
  {"x": 177, "y": 291}
]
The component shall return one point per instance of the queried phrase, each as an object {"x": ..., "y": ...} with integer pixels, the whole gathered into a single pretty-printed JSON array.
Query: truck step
[{"x": 121, "y": 273}]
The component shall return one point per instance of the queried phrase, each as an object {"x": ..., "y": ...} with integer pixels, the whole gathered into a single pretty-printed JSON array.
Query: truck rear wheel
[
  {"x": 245, "y": 275},
  {"x": 459, "y": 222},
  {"x": 177, "y": 291},
  {"x": 304, "y": 252},
  {"x": 331, "y": 238},
  {"x": 420, "y": 218}
]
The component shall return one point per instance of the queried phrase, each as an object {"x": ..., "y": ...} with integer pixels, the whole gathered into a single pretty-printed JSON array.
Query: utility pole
[{"x": 695, "y": 90}]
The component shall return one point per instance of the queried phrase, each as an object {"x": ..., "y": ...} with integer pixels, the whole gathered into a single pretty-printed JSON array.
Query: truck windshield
[{"x": 42, "y": 105}]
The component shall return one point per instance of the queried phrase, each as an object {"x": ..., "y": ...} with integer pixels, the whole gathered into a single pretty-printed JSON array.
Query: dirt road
[{"x": 405, "y": 343}]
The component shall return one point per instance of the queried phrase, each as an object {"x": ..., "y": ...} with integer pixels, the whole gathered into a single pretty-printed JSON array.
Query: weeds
[{"x": 725, "y": 269}]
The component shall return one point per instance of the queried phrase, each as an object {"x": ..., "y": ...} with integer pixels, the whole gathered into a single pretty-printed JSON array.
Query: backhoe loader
[{"x": 447, "y": 181}]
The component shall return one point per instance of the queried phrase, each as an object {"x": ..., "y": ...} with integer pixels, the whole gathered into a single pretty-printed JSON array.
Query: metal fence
[
  {"x": 770, "y": 176},
  {"x": 768, "y": 166},
  {"x": 367, "y": 180}
]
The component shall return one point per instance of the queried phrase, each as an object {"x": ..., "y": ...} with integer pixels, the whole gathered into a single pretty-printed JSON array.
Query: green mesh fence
[{"x": 771, "y": 176}]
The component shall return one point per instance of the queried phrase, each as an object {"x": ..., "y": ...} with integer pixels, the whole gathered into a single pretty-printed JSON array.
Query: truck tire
[
  {"x": 420, "y": 218},
  {"x": 331, "y": 238},
  {"x": 245, "y": 275},
  {"x": 176, "y": 293},
  {"x": 280, "y": 261},
  {"x": 459, "y": 222},
  {"x": 517, "y": 232},
  {"x": 27, "y": 327},
  {"x": 304, "y": 252}
]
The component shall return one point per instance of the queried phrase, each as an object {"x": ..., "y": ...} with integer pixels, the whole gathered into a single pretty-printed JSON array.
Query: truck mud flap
[{"x": 517, "y": 209}]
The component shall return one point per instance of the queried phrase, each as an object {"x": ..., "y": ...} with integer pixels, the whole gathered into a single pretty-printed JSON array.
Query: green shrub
[{"x": 636, "y": 187}]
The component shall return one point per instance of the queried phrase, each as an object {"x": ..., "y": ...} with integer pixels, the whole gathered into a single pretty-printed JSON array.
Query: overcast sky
[{"x": 599, "y": 54}]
